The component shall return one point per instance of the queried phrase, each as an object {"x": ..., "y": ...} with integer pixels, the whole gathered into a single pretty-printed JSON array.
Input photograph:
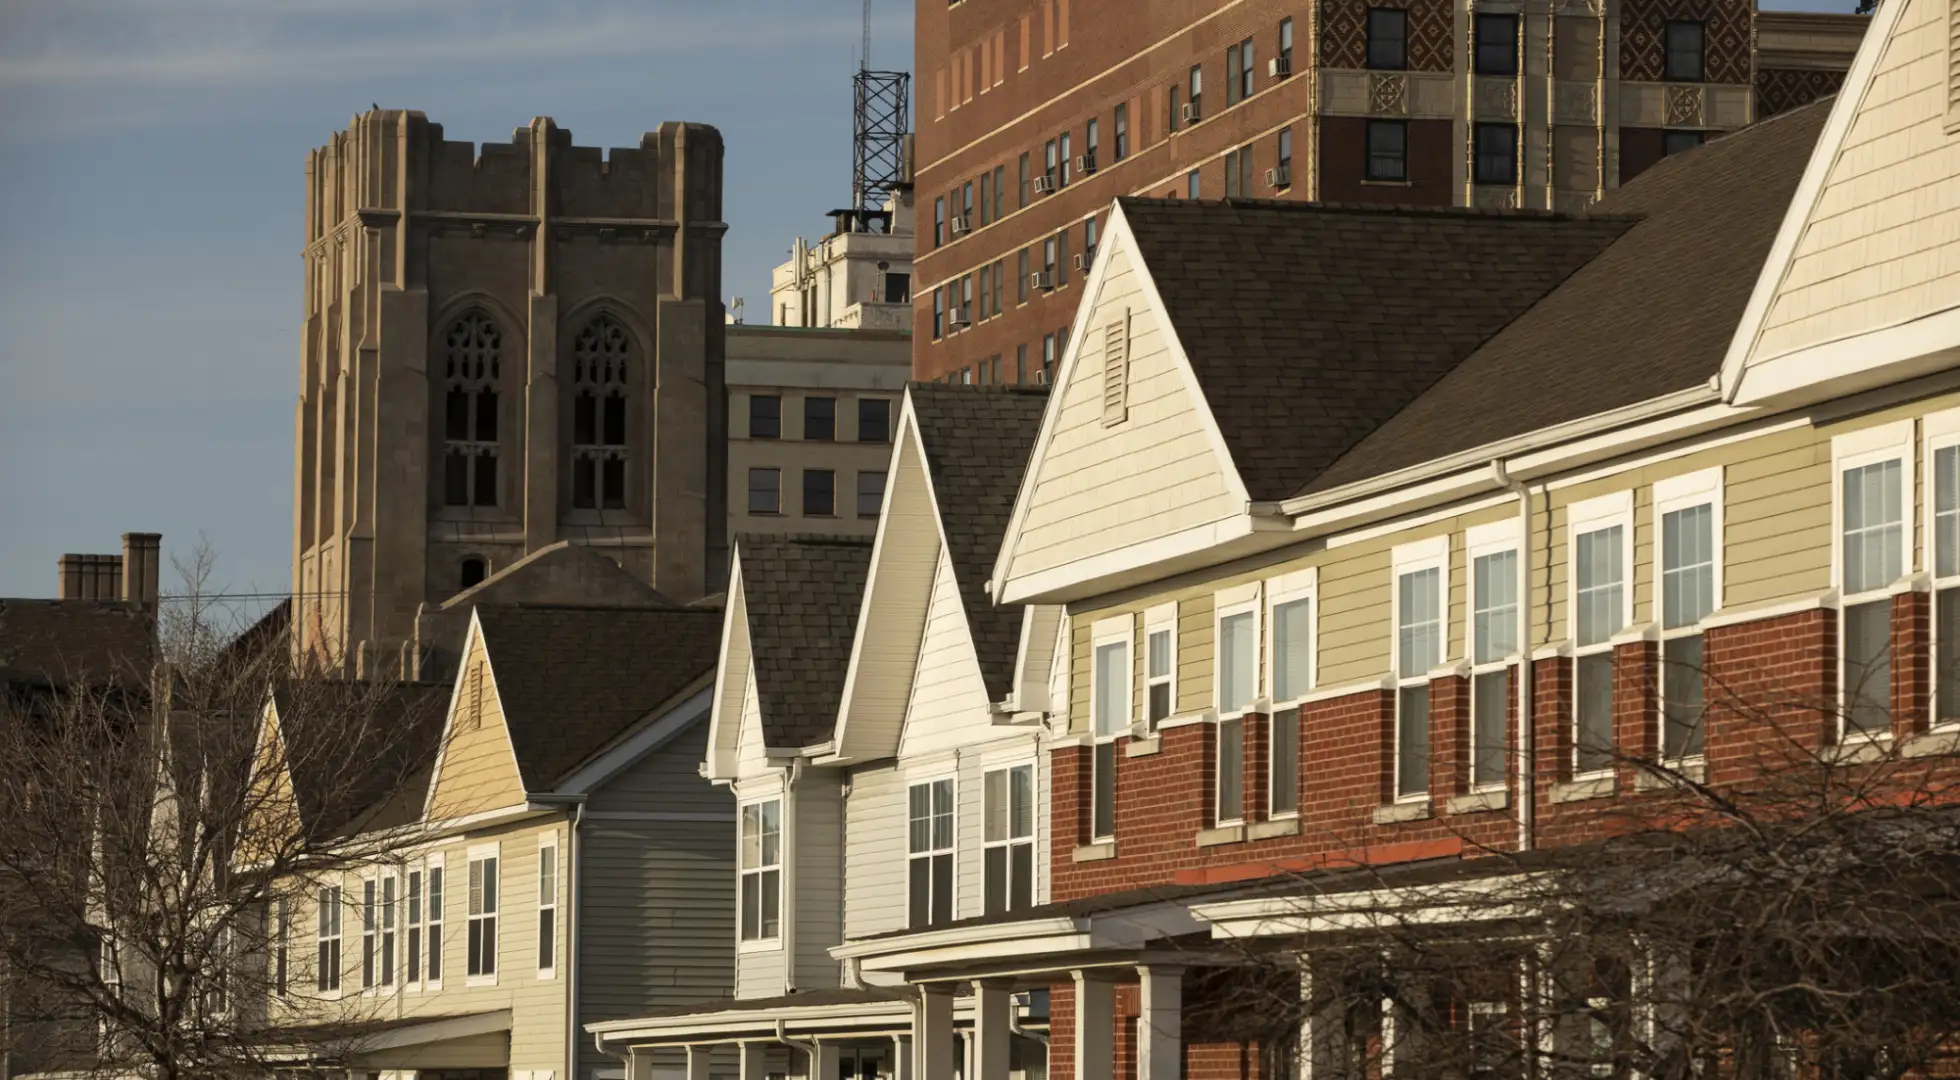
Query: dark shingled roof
[
  {"x": 977, "y": 441},
  {"x": 573, "y": 679},
  {"x": 1309, "y": 324},
  {"x": 868, "y": 995},
  {"x": 360, "y": 753},
  {"x": 1654, "y": 313},
  {"x": 58, "y": 643},
  {"x": 802, "y": 594}
]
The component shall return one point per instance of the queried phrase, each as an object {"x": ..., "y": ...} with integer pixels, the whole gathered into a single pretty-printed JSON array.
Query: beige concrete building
[
  {"x": 505, "y": 347},
  {"x": 857, "y": 278},
  {"x": 810, "y": 421}
]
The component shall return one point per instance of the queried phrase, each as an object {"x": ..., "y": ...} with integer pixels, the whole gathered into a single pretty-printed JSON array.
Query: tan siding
[
  {"x": 818, "y": 849},
  {"x": 1194, "y": 643},
  {"x": 1090, "y": 496},
  {"x": 1879, "y": 247},
  {"x": 478, "y": 772},
  {"x": 948, "y": 695}
]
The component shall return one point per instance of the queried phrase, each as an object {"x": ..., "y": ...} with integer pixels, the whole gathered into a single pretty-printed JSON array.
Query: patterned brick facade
[
  {"x": 1729, "y": 41},
  {"x": 1344, "y": 34},
  {"x": 1782, "y": 89}
]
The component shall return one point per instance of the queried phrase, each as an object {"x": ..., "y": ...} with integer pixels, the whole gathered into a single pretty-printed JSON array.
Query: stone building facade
[{"x": 504, "y": 347}]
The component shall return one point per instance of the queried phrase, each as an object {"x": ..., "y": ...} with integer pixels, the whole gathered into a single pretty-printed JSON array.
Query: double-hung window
[
  {"x": 1873, "y": 551},
  {"x": 378, "y": 931},
  {"x": 1235, "y": 688},
  {"x": 1290, "y": 615},
  {"x": 484, "y": 899},
  {"x": 1121, "y": 149},
  {"x": 1197, "y": 91},
  {"x": 1285, "y": 66},
  {"x": 1109, "y": 693},
  {"x": 929, "y": 847},
  {"x": 1238, "y": 72},
  {"x": 1008, "y": 843},
  {"x": 1492, "y": 556},
  {"x": 1160, "y": 664},
  {"x": 1688, "y": 526},
  {"x": 1388, "y": 38},
  {"x": 412, "y": 927},
  {"x": 1421, "y": 586},
  {"x": 1602, "y": 605},
  {"x": 326, "y": 956},
  {"x": 1943, "y": 504},
  {"x": 547, "y": 910},
  {"x": 370, "y": 932},
  {"x": 281, "y": 956},
  {"x": 762, "y": 870},
  {"x": 434, "y": 980}
]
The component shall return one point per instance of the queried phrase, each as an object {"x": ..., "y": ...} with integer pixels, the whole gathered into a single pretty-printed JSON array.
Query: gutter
[
  {"x": 1526, "y": 756},
  {"x": 809, "y": 1048}
]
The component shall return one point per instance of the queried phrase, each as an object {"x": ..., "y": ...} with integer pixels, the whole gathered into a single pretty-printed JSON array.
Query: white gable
[
  {"x": 1130, "y": 466},
  {"x": 1863, "y": 284},
  {"x": 949, "y": 698},
  {"x": 734, "y": 693}
]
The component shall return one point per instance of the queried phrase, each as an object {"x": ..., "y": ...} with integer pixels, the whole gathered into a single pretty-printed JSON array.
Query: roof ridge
[
  {"x": 1372, "y": 209},
  {"x": 815, "y": 539},
  {"x": 548, "y": 605}
]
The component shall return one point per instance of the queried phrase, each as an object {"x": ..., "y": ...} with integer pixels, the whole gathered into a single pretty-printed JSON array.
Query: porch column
[
  {"x": 993, "y": 1000},
  {"x": 1095, "y": 1026},
  {"x": 1160, "y": 1023},
  {"x": 1323, "y": 1031},
  {"x": 698, "y": 1058},
  {"x": 824, "y": 1064},
  {"x": 932, "y": 1033},
  {"x": 902, "y": 1057},
  {"x": 755, "y": 1066}
]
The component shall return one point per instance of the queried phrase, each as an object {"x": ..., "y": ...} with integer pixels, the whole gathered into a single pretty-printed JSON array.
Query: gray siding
[{"x": 819, "y": 854}]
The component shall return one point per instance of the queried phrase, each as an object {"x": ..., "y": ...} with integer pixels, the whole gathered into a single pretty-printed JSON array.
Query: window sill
[
  {"x": 1585, "y": 787},
  {"x": 1096, "y": 852},
  {"x": 1479, "y": 802},
  {"x": 1397, "y": 812},
  {"x": 1388, "y": 183},
  {"x": 1143, "y": 747},
  {"x": 1691, "y": 770},
  {"x": 1267, "y": 830},
  {"x": 480, "y": 980},
  {"x": 1186, "y": 720},
  {"x": 762, "y": 945},
  {"x": 1938, "y": 743},
  {"x": 1224, "y": 834},
  {"x": 1857, "y": 750}
]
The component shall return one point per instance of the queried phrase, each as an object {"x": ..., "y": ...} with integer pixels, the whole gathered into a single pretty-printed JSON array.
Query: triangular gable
[
  {"x": 948, "y": 699},
  {"x": 1034, "y": 658},
  {"x": 476, "y": 769},
  {"x": 1090, "y": 516},
  {"x": 1860, "y": 288},
  {"x": 272, "y": 811},
  {"x": 734, "y": 678},
  {"x": 909, "y": 546}
]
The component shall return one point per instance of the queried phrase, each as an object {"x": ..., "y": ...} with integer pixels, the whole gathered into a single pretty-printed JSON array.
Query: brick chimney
[
  {"x": 91, "y": 577},
  {"x": 142, "y": 552}
]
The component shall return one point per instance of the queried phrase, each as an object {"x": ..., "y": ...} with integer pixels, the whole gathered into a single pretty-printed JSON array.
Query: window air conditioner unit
[
  {"x": 1044, "y": 185},
  {"x": 1042, "y": 280},
  {"x": 1191, "y": 113},
  {"x": 1085, "y": 164},
  {"x": 1085, "y": 260},
  {"x": 1279, "y": 178},
  {"x": 1279, "y": 67},
  {"x": 961, "y": 226},
  {"x": 1041, "y": 376},
  {"x": 960, "y": 319}
]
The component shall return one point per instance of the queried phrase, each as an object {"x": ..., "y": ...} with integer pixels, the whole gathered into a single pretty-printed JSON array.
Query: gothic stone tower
[{"x": 503, "y": 348}]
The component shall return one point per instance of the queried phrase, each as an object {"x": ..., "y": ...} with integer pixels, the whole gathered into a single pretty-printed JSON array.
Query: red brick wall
[{"x": 1343, "y": 158}]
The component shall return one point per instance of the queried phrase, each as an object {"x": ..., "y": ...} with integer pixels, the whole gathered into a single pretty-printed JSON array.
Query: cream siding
[
  {"x": 750, "y": 757},
  {"x": 896, "y": 608},
  {"x": 1882, "y": 244},
  {"x": 476, "y": 770},
  {"x": 874, "y": 860},
  {"x": 818, "y": 848},
  {"x": 947, "y": 691},
  {"x": 1101, "y": 488}
]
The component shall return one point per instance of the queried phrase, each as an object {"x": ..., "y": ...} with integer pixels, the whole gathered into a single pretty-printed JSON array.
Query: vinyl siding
[
  {"x": 947, "y": 691},
  {"x": 1101, "y": 488},
  {"x": 477, "y": 770},
  {"x": 1882, "y": 245},
  {"x": 818, "y": 849},
  {"x": 874, "y": 859},
  {"x": 750, "y": 758}
]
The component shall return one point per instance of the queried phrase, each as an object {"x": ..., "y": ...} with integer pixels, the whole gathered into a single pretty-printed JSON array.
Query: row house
[
  {"x": 1394, "y": 553},
  {"x": 546, "y": 854}
]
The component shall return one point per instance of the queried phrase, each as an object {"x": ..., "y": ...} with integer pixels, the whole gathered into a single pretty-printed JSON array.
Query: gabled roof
[
  {"x": 802, "y": 595},
  {"x": 573, "y": 679},
  {"x": 58, "y": 643},
  {"x": 1308, "y": 325},
  {"x": 1651, "y": 314},
  {"x": 976, "y": 442},
  {"x": 359, "y": 753}
]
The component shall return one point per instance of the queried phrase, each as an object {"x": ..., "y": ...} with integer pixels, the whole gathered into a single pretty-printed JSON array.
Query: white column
[
  {"x": 991, "y": 1035},
  {"x": 1095, "y": 1027},
  {"x": 823, "y": 1064},
  {"x": 1160, "y": 1023},
  {"x": 755, "y": 1066},
  {"x": 639, "y": 1064},
  {"x": 698, "y": 1058},
  {"x": 932, "y": 1034},
  {"x": 902, "y": 1057}
]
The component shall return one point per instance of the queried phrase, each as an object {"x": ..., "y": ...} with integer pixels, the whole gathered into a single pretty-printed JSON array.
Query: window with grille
[
  {"x": 1493, "y": 643},
  {"x": 472, "y": 374},
  {"x": 1874, "y": 538},
  {"x": 1690, "y": 512},
  {"x": 483, "y": 918},
  {"x": 547, "y": 910},
  {"x": 1008, "y": 844},
  {"x": 1420, "y": 589},
  {"x": 761, "y": 870},
  {"x": 1160, "y": 664},
  {"x": 600, "y": 356},
  {"x": 1602, "y": 607},
  {"x": 1109, "y": 693},
  {"x": 326, "y": 958},
  {"x": 1291, "y": 648},
  {"x": 930, "y": 860}
]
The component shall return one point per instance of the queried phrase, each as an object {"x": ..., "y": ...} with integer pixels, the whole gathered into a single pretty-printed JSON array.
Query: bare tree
[{"x": 165, "y": 840}]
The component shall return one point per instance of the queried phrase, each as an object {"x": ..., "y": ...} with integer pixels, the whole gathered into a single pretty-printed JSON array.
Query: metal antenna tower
[{"x": 880, "y": 129}]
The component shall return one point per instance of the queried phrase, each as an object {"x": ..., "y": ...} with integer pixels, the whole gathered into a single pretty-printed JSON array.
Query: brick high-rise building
[{"x": 1034, "y": 114}]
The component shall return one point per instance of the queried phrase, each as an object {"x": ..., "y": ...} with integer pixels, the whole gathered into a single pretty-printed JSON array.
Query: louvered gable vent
[{"x": 1116, "y": 369}]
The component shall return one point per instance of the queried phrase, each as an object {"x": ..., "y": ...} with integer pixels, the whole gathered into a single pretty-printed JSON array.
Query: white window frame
[
  {"x": 389, "y": 954},
  {"x": 435, "y": 890},
  {"x": 1855, "y": 450},
  {"x": 1676, "y": 493},
  {"x": 1941, "y": 432},
  {"x": 415, "y": 900},
  {"x": 1481, "y": 542},
  {"x": 1414, "y": 558},
  {"x": 1614, "y": 510},
  {"x": 370, "y": 932},
  {"x": 328, "y": 905},
  {"x": 1010, "y": 841},
  {"x": 1121, "y": 632},
  {"x": 1301, "y": 585},
  {"x": 949, "y": 776},
  {"x": 1240, "y": 600},
  {"x": 761, "y": 942},
  {"x": 1161, "y": 619},
  {"x": 493, "y": 913},
  {"x": 548, "y": 904}
]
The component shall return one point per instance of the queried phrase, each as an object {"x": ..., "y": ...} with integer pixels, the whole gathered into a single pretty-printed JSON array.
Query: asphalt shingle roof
[
  {"x": 977, "y": 441},
  {"x": 802, "y": 594},
  {"x": 1309, "y": 324},
  {"x": 574, "y": 679},
  {"x": 360, "y": 753},
  {"x": 58, "y": 643},
  {"x": 1652, "y": 314}
]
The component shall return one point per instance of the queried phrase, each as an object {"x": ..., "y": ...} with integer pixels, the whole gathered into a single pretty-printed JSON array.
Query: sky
[{"x": 152, "y": 160}]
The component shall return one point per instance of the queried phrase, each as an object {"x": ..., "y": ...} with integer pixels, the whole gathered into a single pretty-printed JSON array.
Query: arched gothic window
[
  {"x": 599, "y": 358},
  {"x": 472, "y": 368}
]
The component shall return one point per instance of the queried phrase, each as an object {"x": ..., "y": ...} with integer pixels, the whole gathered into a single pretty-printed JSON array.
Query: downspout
[
  {"x": 1527, "y": 776},
  {"x": 807, "y": 1046},
  {"x": 570, "y": 961},
  {"x": 1014, "y": 1023},
  {"x": 791, "y": 774}
]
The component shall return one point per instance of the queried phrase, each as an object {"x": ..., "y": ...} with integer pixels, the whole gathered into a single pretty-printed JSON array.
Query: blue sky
[{"x": 151, "y": 164}]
